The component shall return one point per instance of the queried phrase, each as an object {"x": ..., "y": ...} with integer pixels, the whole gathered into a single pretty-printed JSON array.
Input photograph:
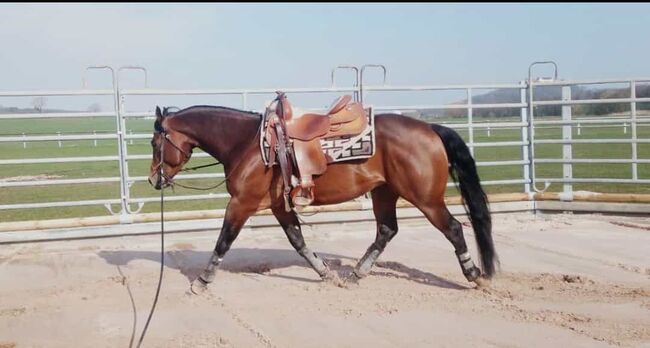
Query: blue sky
[{"x": 289, "y": 45}]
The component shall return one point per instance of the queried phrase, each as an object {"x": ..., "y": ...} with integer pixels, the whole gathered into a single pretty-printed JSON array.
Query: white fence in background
[{"x": 525, "y": 124}]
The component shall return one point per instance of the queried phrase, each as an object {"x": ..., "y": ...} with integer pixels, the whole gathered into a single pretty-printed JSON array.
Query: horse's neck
[{"x": 225, "y": 135}]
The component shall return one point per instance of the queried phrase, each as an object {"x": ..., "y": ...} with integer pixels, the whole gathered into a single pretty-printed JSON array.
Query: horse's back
[
  {"x": 408, "y": 151},
  {"x": 401, "y": 133},
  {"x": 415, "y": 162}
]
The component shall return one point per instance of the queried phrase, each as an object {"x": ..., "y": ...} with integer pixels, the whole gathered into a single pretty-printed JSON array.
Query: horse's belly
[{"x": 342, "y": 182}]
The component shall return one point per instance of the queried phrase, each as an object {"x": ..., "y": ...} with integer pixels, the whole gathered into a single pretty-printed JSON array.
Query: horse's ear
[{"x": 159, "y": 115}]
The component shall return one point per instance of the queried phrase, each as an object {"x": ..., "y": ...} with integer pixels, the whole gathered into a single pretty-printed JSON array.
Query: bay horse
[{"x": 412, "y": 160}]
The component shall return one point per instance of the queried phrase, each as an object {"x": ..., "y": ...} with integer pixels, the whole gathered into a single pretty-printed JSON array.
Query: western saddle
[{"x": 294, "y": 140}]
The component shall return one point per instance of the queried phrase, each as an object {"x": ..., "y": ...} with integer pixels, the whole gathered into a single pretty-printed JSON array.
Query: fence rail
[{"x": 479, "y": 133}]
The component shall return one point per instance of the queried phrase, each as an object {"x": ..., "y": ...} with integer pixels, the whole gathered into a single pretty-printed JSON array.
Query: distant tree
[
  {"x": 39, "y": 103},
  {"x": 94, "y": 107}
]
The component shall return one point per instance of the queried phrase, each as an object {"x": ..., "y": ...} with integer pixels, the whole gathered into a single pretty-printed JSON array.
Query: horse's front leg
[
  {"x": 291, "y": 225},
  {"x": 236, "y": 216}
]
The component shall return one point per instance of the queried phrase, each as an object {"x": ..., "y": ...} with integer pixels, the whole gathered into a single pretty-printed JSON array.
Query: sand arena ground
[{"x": 565, "y": 280}]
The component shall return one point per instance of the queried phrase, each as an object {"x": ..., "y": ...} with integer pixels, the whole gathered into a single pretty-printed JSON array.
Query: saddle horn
[{"x": 283, "y": 108}]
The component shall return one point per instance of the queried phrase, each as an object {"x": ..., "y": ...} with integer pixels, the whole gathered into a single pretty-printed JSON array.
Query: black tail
[{"x": 463, "y": 170}]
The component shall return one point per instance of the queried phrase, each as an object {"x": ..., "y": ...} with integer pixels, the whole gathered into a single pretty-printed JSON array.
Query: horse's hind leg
[
  {"x": 384, "y": 202},
  {"x": 291, "y": 225},
  {"x": 440, "y": 217}
]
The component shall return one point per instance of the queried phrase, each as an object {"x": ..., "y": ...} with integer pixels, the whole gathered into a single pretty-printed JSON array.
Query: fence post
[
  {"x": 624, "y": 127},
  {"x": 59, "y": 135},
  {"x": 567, "y": 150},
  {"x": 579, "y": 129},
  {"x": 525, "y": 139},
  {"x": 121, "y": 154},
  {"x": 635, "y": 173},
  {"x": 470, "y": 121},
  {"x": 122, "y": 146},
  {"x": 94, "y": 140}
]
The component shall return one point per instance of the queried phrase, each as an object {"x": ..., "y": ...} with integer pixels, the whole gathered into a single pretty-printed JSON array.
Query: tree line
[{"x": 545, "y": 93}]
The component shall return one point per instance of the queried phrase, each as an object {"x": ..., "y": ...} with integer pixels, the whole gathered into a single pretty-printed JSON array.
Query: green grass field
[{"x": 50, "y": 149}]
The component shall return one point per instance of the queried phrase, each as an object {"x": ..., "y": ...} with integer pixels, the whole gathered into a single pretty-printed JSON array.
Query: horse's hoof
[
  {"x": 482, "y": 283},
  {"x": 359, "y": 274},
  {"x": 198, "y": 287},
  {"x": 472, "y": 274}
]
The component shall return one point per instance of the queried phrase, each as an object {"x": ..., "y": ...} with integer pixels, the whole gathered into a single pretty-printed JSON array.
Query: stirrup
[{"x": 302, "y": 200}]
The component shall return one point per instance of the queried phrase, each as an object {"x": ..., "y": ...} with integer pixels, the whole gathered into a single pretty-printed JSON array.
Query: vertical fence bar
[
  {"x": 567, "y": 150},
  {"x": 360, "y": 79},
  {"x": 357, "y": 84},
  {"x": 59, "y": 135},
  {"x": 24, "y": 142},
  {"x": 120, "y": 140},
  {"x": 633, "y": 126},
  {"x": 244, "y": 101},
  {"x": 470, "y": 121},
  {"x": 531, "y": 134},
  {"x": 524, "y": 138},
  {"x": 121, "y": 154},
  {"x": 94, "y": 140},
  {"x": 122, "y": 145},
  {"x": 531, "y": 121},
  {"x": 126, "y": 215}
]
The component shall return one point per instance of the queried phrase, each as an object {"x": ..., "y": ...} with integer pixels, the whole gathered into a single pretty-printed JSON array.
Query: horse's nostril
[{"x": 155, "y": 181}]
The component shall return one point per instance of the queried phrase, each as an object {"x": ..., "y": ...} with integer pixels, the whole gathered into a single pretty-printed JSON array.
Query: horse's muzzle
[{"x": 156, "y": 181}]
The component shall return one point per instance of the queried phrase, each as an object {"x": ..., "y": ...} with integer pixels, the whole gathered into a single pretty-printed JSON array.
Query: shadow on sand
[{"x": 191, "y": 263}]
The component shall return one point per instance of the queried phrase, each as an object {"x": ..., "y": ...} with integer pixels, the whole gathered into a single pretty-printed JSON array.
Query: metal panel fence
[{"x": 505, "y": 139}]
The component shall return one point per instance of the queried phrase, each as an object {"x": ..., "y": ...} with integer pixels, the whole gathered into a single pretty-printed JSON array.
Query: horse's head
[{"x": 171, "y": 150}]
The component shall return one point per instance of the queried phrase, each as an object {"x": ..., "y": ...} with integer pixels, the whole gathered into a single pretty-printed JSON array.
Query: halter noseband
[
  {"x": 159, "y": 166},
  {"x": 165, "y": 136}
]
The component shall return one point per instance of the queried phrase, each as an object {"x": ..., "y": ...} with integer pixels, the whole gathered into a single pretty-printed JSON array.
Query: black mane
[
  {"x": 166, "y": 111},
  {"x": 179, "y": 112}
]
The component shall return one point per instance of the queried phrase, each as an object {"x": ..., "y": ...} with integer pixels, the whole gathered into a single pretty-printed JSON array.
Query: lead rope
[
  {"x": 162, "y": 244},
  {"x": 201, "y": 188},
  {"x": 199, "y": 167}
]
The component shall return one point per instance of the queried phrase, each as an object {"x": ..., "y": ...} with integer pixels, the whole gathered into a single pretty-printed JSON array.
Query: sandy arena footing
[{"x": 566, "y": 280}]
